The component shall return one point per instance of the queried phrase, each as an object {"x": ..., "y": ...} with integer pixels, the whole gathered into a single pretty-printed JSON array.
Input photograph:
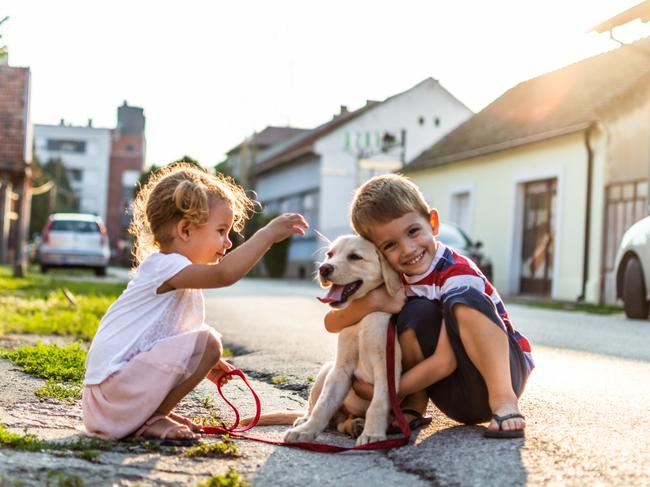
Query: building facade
[
  {"x": 551, "y": 174},
  {"x": 15, "y": 164},
  {"x": 104, "y": 165},
  {"x": 316, "y": 173}
]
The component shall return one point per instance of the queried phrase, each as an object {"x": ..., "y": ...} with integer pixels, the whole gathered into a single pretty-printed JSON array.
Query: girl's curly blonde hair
[{"x": 178, "y": 191}]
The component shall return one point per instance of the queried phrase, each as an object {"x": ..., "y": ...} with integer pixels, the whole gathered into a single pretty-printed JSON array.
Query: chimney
[
  {"x": 62, "y": 122},
  {"x": 344, "y": 109},
  {"x": 90, "y": 122}
]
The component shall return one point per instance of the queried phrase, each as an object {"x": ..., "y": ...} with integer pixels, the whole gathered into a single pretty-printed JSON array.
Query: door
[{"x": 538, "y": 237}]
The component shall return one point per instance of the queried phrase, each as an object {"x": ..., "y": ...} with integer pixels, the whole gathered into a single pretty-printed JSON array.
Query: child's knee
[{"x": 213, "y": 348}]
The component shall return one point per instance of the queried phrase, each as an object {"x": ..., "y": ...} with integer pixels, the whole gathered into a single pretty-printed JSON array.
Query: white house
[
  {"x": 317, "y": 172},
  {"x": 550, "y": 174},
  {"x": 86, "y": 153}
]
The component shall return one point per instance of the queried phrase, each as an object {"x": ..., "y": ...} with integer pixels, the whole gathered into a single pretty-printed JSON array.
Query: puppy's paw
[
  {"x": 301, "y": 420},
  {"x": 365, "y": 438},
  {"x": 356, "y": 427},
  {"x": 296, "y": 435}
]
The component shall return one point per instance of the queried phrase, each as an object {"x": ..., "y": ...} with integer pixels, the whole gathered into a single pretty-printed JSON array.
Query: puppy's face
[{"x": 352, "y": 268}]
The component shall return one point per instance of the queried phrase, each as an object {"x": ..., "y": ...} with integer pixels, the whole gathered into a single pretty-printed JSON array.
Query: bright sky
[{"x": 208, "y": 73}]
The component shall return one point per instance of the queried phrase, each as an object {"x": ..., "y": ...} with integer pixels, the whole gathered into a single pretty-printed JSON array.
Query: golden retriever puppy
[{"x": 352, "y": 268}]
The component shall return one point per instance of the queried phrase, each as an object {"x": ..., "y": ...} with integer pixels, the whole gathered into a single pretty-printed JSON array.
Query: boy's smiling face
[{"x": 408, "y": 243}]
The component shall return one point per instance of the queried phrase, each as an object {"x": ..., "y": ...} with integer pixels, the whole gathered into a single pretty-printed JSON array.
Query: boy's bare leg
[
  {"x": 412, "y": 355},
  {"x": 488, "y": 349},
  {"x": 208, "y": 360}
]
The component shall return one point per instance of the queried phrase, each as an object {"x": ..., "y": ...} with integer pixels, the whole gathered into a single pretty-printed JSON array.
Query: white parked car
[
  {"x": 74, "y": 240},
  {"x": 632, "y": 267}
]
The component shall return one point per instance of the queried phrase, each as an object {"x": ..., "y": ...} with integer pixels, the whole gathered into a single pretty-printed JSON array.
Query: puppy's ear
[{"x": 391, "y": 278}]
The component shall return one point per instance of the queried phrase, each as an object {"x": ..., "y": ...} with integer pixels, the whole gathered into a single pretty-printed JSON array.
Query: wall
[
  {"x": 339, "y": 173},
  {"x": 92, "y": 189},
  {"x": 497, "y": 207}
]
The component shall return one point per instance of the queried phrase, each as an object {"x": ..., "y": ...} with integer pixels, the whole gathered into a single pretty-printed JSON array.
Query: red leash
[{"x": 322, "y": 447}]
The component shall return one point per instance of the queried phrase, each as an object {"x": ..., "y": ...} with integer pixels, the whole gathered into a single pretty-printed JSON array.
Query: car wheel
[
  {"x": 100, "y": 271},
  {"x": 634, "y": 292}
]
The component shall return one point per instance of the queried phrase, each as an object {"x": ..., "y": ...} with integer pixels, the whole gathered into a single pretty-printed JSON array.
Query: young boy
[{"x": 459, "y": 348}]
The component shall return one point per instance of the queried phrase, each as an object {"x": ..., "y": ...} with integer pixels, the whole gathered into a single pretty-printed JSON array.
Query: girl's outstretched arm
[{"x": 240, "y": 261}]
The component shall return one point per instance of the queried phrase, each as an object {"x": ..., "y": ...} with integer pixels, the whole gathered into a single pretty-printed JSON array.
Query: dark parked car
[{"x": 453, "y": 236}]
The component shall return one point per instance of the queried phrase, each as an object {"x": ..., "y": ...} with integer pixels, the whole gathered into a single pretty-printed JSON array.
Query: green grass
[
  {"x": 279, "y": 379},
  {"x": 225, "y": 448},
  {"x": 62, "y": 367},
  {"x": 231, "y": 479},
  {"x": 36, "y": 304}
]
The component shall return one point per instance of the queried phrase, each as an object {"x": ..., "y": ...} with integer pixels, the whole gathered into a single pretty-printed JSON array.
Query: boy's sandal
[
  {"x": 415, "y": 424},
  {"x": 501, "y": 433},
  {"x": 162, "y": 439}
]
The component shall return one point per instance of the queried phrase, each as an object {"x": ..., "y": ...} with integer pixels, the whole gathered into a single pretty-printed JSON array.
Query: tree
[
  {"x": 3, "y": 49},
  {"x": 60, "y": 198}
]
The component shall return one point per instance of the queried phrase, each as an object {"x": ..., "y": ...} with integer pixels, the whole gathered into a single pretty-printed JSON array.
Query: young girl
[{"x": 152, "y": 346}]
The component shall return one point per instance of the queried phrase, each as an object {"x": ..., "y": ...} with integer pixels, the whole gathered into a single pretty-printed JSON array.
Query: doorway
[{"x": 538, "y": 237}]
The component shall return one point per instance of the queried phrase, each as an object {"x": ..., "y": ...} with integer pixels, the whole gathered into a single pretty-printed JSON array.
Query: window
[
  {"x": 76, "y": 175},
  {"x": 61, "y": 145},
  {"x": 459, "y": 213},
  {"x": 421, "y": 120},
  {"x": 436, "y": 122},
  {"x": 130, "y": 148}
]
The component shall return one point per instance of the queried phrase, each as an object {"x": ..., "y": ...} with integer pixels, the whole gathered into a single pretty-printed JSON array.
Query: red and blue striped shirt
[{"x": 450, "y": 273}]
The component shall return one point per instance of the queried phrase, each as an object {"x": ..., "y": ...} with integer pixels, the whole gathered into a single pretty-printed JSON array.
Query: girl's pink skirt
[{"x": 122, "y": 403}]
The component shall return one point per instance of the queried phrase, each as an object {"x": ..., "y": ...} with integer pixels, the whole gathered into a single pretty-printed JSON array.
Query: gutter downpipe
[{"x": 587, "y": 241}]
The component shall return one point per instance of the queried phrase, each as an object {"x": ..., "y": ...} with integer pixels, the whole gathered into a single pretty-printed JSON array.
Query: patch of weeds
[
  {"x": 207, "y": 402},
  {"x": 63, "y": 392},
  {"x": 88, "y": 455},
  {"x": 16, "y": 441},
  {"x": 63, "y": 367},
  {"x": 231, "y": 479},
  {"x": 61, "y": 479},
  {"x": 227, "y": 353},
  {"x": 224, "y": 448},
  {"x": 310, "y": 378},
  {"x": 66, "y": 364},
  {"x": 213, "y": 419},
  {"x": 84, "y": 448},
  {"x": 279, "y": 379}
]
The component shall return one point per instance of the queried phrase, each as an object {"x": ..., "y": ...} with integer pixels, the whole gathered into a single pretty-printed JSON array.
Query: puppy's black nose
[{"x": 325, "y": 270}]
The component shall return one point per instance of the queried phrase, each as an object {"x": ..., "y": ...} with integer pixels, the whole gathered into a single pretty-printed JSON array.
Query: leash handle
[
  {"x": 313, "y": 446},
  {"x": 258, "y": 405}
]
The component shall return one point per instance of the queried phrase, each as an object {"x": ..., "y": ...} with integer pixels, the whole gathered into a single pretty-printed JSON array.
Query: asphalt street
[{"x": 587, "y": 402}]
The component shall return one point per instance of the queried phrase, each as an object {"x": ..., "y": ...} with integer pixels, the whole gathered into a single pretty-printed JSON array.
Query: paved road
[{"x": 587, "y": 402}]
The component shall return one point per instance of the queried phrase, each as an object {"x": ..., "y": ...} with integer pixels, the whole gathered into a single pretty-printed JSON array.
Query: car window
[
  {"x": 79, "y": 226},
  {"x": 451, "y": 236}
]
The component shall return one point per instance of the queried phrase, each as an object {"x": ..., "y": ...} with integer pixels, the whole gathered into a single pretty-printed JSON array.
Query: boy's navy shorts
[{"x": 463, "y": 395}]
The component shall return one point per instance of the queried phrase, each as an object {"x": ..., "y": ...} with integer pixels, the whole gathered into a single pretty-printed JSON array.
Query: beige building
[{"x": 550, "y": 175}]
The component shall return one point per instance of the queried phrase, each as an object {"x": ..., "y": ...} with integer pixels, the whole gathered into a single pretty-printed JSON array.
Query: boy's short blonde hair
[{"x": 385, "y": 198}]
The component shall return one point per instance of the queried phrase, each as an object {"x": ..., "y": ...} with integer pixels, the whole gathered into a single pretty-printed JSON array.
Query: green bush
[{"x": 276, "y": 259}]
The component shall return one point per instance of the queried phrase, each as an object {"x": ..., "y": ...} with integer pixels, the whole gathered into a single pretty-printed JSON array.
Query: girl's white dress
[{"x": 146, "y": 344}]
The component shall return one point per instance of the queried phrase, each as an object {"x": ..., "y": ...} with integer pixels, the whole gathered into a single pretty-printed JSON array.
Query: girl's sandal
[{"x": 162, "y": 439}]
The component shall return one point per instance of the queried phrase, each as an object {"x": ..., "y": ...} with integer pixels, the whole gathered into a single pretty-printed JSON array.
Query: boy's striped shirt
[{"x": 451, "y": 273}]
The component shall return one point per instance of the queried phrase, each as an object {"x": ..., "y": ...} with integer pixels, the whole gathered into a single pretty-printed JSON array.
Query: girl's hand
[
  {"x": 380, "y": 300},
  {"x": 286, "y": 225},
  {"x": 217, "y": 372},
  {"x": 362, "y": 389}
]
